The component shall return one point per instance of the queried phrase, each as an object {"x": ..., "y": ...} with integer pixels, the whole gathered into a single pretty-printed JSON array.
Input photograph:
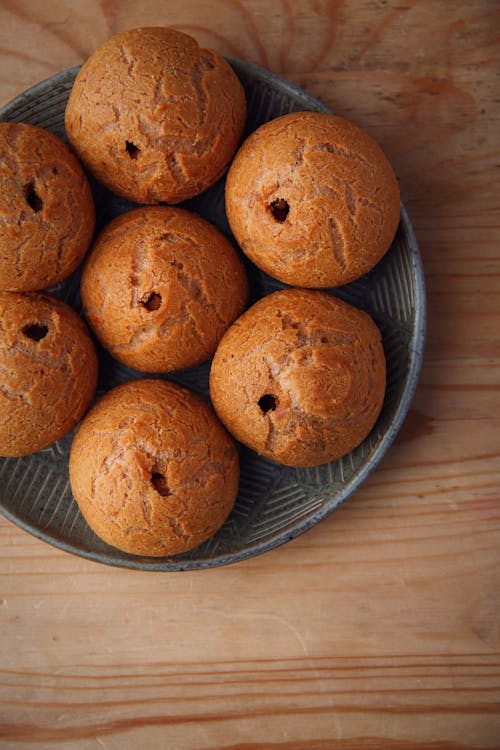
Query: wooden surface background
[{"x": 379, "y": 628}]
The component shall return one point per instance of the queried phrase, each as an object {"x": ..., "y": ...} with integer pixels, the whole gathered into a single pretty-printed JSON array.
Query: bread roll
[
  {"x": 46, "y": 209},
  {"x": 48, "y": 367},
  {"x": 300, "y": 377},
  {"x": 152, "y": 469},
  {"x": 155, "y": 117},
  {"x": 160, "y": 287},
  {"x": 312, "y": 200}
]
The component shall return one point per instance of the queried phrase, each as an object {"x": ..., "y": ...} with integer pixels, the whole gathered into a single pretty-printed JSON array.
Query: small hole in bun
[
  {"x": 32, "y": 198},
  {"x": 35, "y": 332},
  {"x": 267, "y": 402},
  {"x": 160, "y": 484},
  {"x": 132, "y": 149},
  {"x": 153, "y": 302},
  {"x": 279, "y": 209}
]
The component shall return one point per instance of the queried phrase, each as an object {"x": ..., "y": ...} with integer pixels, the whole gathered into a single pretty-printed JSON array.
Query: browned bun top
[
  {"x": 48, "y": 367},
  {"x": 312, "y": 199},
  {"x": 155, "y": 117},
  {"x": 152, "y": 469},
  {"x": 46, "y": 208},
  {"x": 300, "y": 377},
  {"x": 160, "y": 287}
]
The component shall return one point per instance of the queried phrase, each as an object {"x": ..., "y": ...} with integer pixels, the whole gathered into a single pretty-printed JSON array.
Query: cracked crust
[
  {"x": 152, "y": 469},
  {"x": 48, "y": 371},
  {"x": 160, "y": 287},
  {"x": 300, "y": 377},
  {"x": 155, "y": 117},
  {"x": 46, "y": 209},
  {"x": 342, "y": 196}
]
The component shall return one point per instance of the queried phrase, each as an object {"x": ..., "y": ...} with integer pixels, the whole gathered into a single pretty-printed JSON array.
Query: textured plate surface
[{"x": 274, "y": 503}]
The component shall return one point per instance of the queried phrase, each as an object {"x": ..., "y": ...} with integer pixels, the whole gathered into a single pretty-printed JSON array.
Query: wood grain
[{"x": 379, "y": 628}]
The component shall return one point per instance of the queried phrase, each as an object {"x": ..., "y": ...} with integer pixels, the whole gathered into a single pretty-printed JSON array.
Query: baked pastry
[
  {"x": 155, "y": 117},
  {"x": 152, "y": 469},
  {"x": 46, "y": 209},
  {"x": 300, "y": 377},
  {"x": 48, "y": 367},
  {"x": 312, "y": 200},
  {"x": 160, "y": 287}
]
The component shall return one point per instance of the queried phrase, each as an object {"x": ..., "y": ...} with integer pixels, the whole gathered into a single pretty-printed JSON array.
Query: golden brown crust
[
  {"x": 46, "y": 209},
  {"x": 312, "y": 200},
  {"x": 48, "y": 371},
  {"x": 160, "y": 287},
  {"x": 155, "y": 117},
  {"x": 300, "y": 377},
  {"x": 152, "y": 469}
]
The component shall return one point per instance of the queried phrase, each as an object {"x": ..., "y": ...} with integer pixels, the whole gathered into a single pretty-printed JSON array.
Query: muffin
[
  {"x": 312, "y": 200},
  {"x": 49, "y": 371},
  {"x": 46, "y": 209},
  {"x": 160, "y": 287},
  {"x": 152, "y": 469},
  {"x": 155, "y": 117},
  {"x": 300, "y": 377}
]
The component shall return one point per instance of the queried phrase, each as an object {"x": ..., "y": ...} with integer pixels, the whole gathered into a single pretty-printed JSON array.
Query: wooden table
[{"x": 379, "y": 628}]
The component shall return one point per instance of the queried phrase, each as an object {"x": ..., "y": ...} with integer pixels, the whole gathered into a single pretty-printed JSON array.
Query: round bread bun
[
  {"x": 48, "y": 367},
  {"x": 46, "y": 209},
  {"x": 300, "y": 377},
  {"x": 160, "y": 287},
  {"x": 152, "y": 469},
  {"x": 154, "y": 117},
  {"x": 312, "y": 200}
]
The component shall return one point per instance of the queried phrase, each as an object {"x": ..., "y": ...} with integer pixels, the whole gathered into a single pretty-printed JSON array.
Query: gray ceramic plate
[{"x": 274, "y": 503}]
